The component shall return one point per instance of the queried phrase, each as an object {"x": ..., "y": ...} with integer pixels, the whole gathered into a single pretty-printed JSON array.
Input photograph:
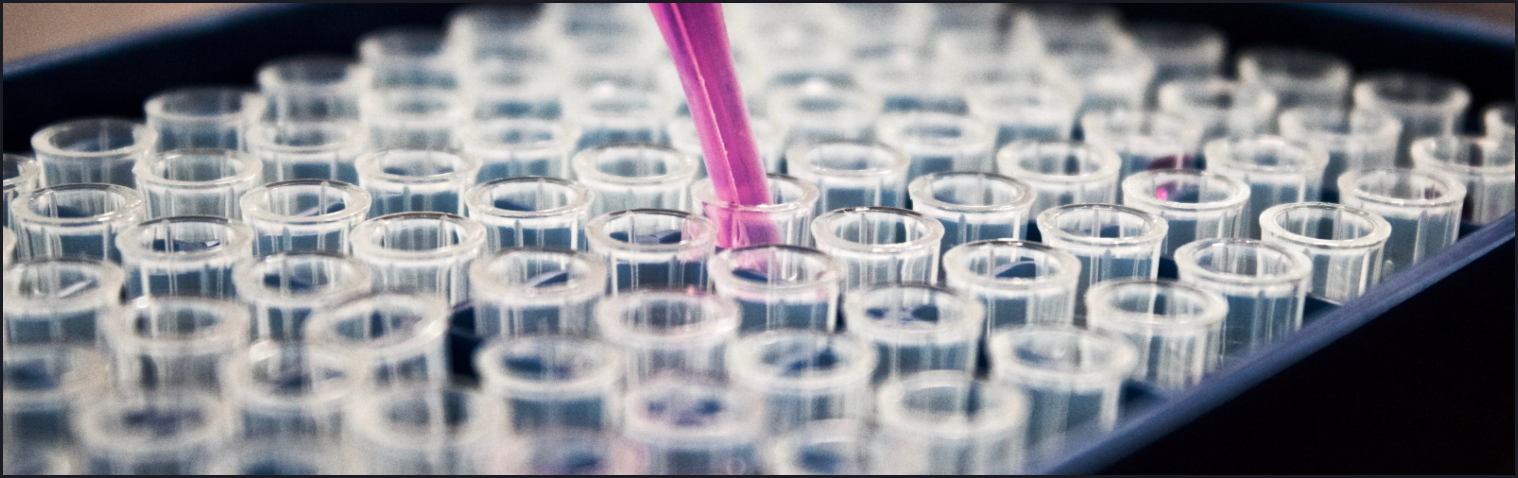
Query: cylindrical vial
[
  {"x": 203, "y": 117},
  {"x": 1265, "y": 286},
  {"x": 1297, "y": 77},
  {"x": 197, "y": 182},
  {"x": 1027, "y": 111},
  {"x": 395, "y": 339},
  {"x": 1484, "y": 165},
  {"x": 280, "y": 457},
  {"x": 1110, "y": 76},
  {"x": 531, "y": 211},
  {"x": 154, "y": 433},
  {"x": 284, "y": 289},
  {"x": 1111, "y": 242},
  {"x": 420, "y": 253},
  {"x": 804, "y": 376},
  {"x": 779, "y": 287},
  {"x": 1222, "y": 107},
  {"x": 403, "y": 180},
  {"x": 22, "y": 174},
  {"x": 1145, "y": 140},
  {"x": 312, "y": 87},
  {"x": 309, "y": 149},
  {"x": 1422, "y": 206},
  {"x": 1072, "y": 378},
  {"x": 291, "y": 391},
  {"x": 653, "y": 248},
  {"x": 183, "y": 256},
  {"x": 973, "y": 206},
  {"x": 96, "y": 150},
  {"x": 1344, "y": 243},
  {"x": 544, "y": 291},
  {"x": 1180, "y": 50},
  {"x": 947, "y": 422},
  {"x": 423, "y": 119},
  {"x": 516, "y": 147},
  {"x": 880, "y": 245},
  {"x": 1062, "y": 172},
  {"x": 669, "y": 332},
  {"x": 10, "y": 247},
  {"x": 787, "y": 219},
  {"x": 633, "y": 176},
  {"x": 1176, "y": 328},
  {"x": 560, "y": 452},
  {"x": 939, "y": 142},
  {"x": 175, "y": 342},
  {"x": 816, "y": 112},
  {"x": 608, "y": 114},
  {"x": 851, "y": 174},
  {"x": 79, "y": 220},
  {"x": 553, "y": 382},
  {"x": 1194, "y": 204},
  {"x": 1426, "y": 105},
  {"x": 408, "y": 57},
  {"x": 58, "y": 301},
  {"x": 692, "y": 427},
  {"x": 1498, "y": 121},
  {"x": 1277, "y": 170},
  {"x": 515, "y": 85},
  {"x": 303, "y": 215},
  {"x": 916, "y": 328},
  {"x": 422, "y": 431},
  {"x": 45, "y": 388},
  {"x": 830, "y": 447},
  {"x": 1018, "y": 282},
  {"x": 1356, "y": 140}
]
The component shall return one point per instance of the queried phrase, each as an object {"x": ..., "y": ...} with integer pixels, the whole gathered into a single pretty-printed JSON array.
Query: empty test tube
[
  {"x": 880, "y": 245},
  {"x": 1194, "y": 204},
  {"x": 779, "y": 287},
  {"x": 973, "y": 206},
  {"x": 1017, "y": 282},
  {"x": 420, "y": 253},
  {"x": 669, "y": 332},
  {"x": 402, "y": 180},
  {"x": 303, "y": 215},
  {"x": 422, "y": 119},
  {"x": 1297, "y": 77},
  {"x": 95, "y": 150},
  {"x": 1176, "y": 328},
  {"x": 1344, "y": 243},
  {"x": 1111, "y": 241},
  {"x": 553, "y": 382},
  {"x": 1111, "y": 76},
  {"x": 804, "y": 376},
  {"x": 1072, "y": 379},
  {"x": 183, "y": 256},
  {"x": 309, "y": 149},
  {"x": 1426, "y": 105},
  {"x": 1026, "y": 111},
  {"x": 45, "y": 388},
  {"x": 197, "y": 182},
  {"x": 422, "y": 431},
  {"x": 1180, "y": 50},
  {"x": 916, "y": 328},
  {"x": 910, "y": 83},
  {"x": 1145, "y": 140},
  {"x": 511, "y": 83},
  {"x": 830, "y": 447},
  {"x": 1265, "y": 286},
  {"x": 1423, "y": 208},
  {"x": 154, "y": 433},
  {"x": 10, "y": 247},
  {"x": 409, "y": 58},
  {"x": 22, "y": 174},
  {"x": 692, "y": 427},
  {"x": 816, "y": 112},
  {"x": 515, "y": 147},
  {"x": 939, "y": 142},
  {"x": 1484, "y": 165},
  {"x": 519, "y": 292},
  {"x": 203, "y": 117},
  {"x": 531, "y": 212},
  {"x": 1224, "y": 108},
  {"x": 1356, "y": 140},
  {"x": 397, "y": 340},
  {"x": 291, "y": 391},
  {"x": 653, "y": 248},
  {"x": 39, "y": 461},
  {"x": 1498, "y": 121},
  {"x": 948, "y": 422},
  {"x": 560, "y": 452},
  {"x": 312, "y": 87},
  {"x": 278, "y": 457},
  {"x": 633, "y": 176},
  {"x": 57, "y": 301},
  {"x": 1277, "y": 170},
  {"x": 1062, "y": 172},
  {"x": 284, "y": 289},
  {"x": 607, "y": 114},
  {"x": 175, "y": 342},
  {"x": 787, "y": 219},
  {"x": 75, "y": 220},
  {"x": 768, "y": 137},
  {"x": 1067, "y": 27},
  {"x": 851, "y": 174}
]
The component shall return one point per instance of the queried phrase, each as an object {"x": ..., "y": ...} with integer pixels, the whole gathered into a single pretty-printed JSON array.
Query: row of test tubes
[{"x": 491, "y": 249}]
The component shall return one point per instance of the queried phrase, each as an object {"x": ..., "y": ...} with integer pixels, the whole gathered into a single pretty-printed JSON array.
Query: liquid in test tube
[
  {"x": 1194, "y": 204},
  {"x": 416, "y": 181},
  {"x": 653, "y": 248},
  {"x": 1426, "y": 105},
  {"x": 1018, "y": 282},
  {"x": 607, "y": 114},
  {"x": 1297, "y": 77},
  {"x": 1355, "y": 140},
  {"x": 422, "y": 430},
  {"x": 409, "y": 57},
  {"x": 1072, "y": 379},
  {"x": 1111, "y": 242},
  {"x": 1176, "y": 328},
  {"x": 1224, "y": 108},
  {"x": 310, "y": 149},
  {"x": 780, "y": 287},
  {"x": 973, "y": 206},
  {"x": 175, "y": 342},
  {"x": 57, "y": 301},
  {"x": 1277, "y": 170},
  {"x": 816, "y": 112},
  {"x": 1484, "y": 165},
  {"x": 1344, "y": 243},
  {"x": 916, "y": 328},
  {"x": 669, "y": 333},
  {"x": 1062, "y": 172},
  {"x": 1422, "y": 206},
  {"x": 633, "y": 176},
  {"x": 75, "y": 220},
  {"x": 203, "y": 117},
  {"x": 787, "y": 219},
  {"x": 46, "y": 387},
  {"x": 693, "y": 427},
  {"x": 829, "y": 447},
  {"x": 515, "y": 147},
  {"x": 22, "y": 174},
  {"x": 425, "y": 119},
  {"x": 95, "y": 150},
  {"x": 397, "y": 340},
  {"x": 553, "y": 382},
  {"x": 1025, "y": 111},
  {"x": 531, "y": 212},
  {"x": 520, "y": 292},
  {"x": 939, "y": 142},
  {"x": 804, "y": 376},
  {"x": 1265, "y": 286},
  {"x": 1145, "y": 140},
  {"x": 880, "y": 245},
  {"x": 284, "y": 289},
  {"x": 183, "y": 256},
  {"x": 304, "y": 215},
  {"x": 197, "y": 182},
  {"x": 851, "y": 174},
  {"x": 420, "y": 253},
  {"x": 312, "y": 87},
  {"x": 155, "y": 433},
  {"x": 947, "y": 422},
  {"x": 291, "y": 391}
]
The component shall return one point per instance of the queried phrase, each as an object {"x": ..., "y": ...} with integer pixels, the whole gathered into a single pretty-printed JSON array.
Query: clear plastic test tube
[
  {"x": 405, "y": 180},
  {"x": 1426, "y": 105},
  {"x": 197, "y": 182},
  {"x": 22, "y": 174},
  {"x": 291, "y": 391},
  {"x": 1145, "y": 140},
  {"x": 1194, "y": 204},
  {"x": 787, "y": 219},
  {"x": 422, "y": 430},
  {"x": 779, "y": 287},
  {"x": 907, "y": 82},
  {"x": 939, "y": 142},
  {"x": 544, "y": 291},
  {"x": 45, "y": 389},
  {"x": 312, "y": 87},
  {"x": 1180, "y": 50},
  {"x": 75, "y": 220},
  {"x": 633, "y": 176},
  {"x": 1344, "y": 243},
  {"x": 284, "y": 289},
  {"x": 608, "y": 114},
  {"x": 279, "y": 457},
  {"x": 309, "y": 149},
  {"x": 397, "y": 340},
  {"x": 851, "y": 174},
  {"x": 653, "y": 248},
  {"x": 531, "y": 212},
  {"x": 1111, "y": 241},
  {"x": 10, "y": 248},
  {"x": 1297, "y": 77},
  {"x": 1423, "y": 208},
  {"x": 916, "y": 327},
  {"x": 1484, "y": 165},
  {"x": 93, "y": 150},
  {"x": 816, "y": 112},
  {"x": 413, "y": 118},
  {"x": 880, "y": 245},
  {"x": 1111, "y": 76},
  {"x": 829, "y": 447},
  {"x": 973, "y": 206},
  {"x": 554, "y": 382},
  {"x": 1224, "y": 108},
  {"x": 39, "y": 461},
  {"x": 59, "y": 301},
  {"x": 1072, "y": 379},
  {"x": 1176, "y": 328},
  {"x": 1265, "y": 286},
  {"x": 1025, "y": 111},
  {"x": 183, "y": 256},
  {"x": 409, "y": 57},
  {"x": 517, "y": 81},
  {"x": 669, "y": 332},
  {"x": 203, "y": 117},
  {"x": 154, "y": 433},
  {"x": 303, "y": 215},
  {"x": 947, "y": 422},
  {"x": 562, "y": 452},
  {"x": 516, "y": 147},
  {"x": 1062, "y": 172},
  {"x": 1277, "y": 170},
  {"x": 1017, "y": 282},
  {"x": 420, "y": 253},
  {"x": 1498, "y": 121},
  {"x": 175, "y": 342},
  {"x": 692, "y": 427},
  {"x": 804, "y": 376},
  {"x": 1355, "y": 140}
]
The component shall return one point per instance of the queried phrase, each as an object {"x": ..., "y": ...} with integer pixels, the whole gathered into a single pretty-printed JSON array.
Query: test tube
[
  {"x": 544, "y": 291},
  {"x": 1175, "y": 328},
  {"x": 303, "y": 215},
  {"x": 309, "y": 149},
  {"x": 973, "y": 206},
  {"x": 1345, "y": 244},
  {"x": 1356, "y": 140},
  {"x": 284, "y": 289},
  {"x": 1145, "y": 140},
  {"x": 1072, "y": 379},
  {"x": 1423, "y": 208},
  {"x": 94, "y": 150},
  {"x": 880, "y": 245},
  {"x": 1194, "y": 204},
  {"x": 804, "y": 376},
  {"x": 197, "y": 182},
  {"x": 75, "y": 220},
  {"x": 786, "y": 219},
  {"x": 1277, "y": 170},
  {"x": 1265, "y": 285},
  {"x": 1297, "y": 77},
  {"x": 312, "y": 87},
  {"x": 422, "y": 431},
  {"x": 39, "y": 461},
  {"x": 1426, "y": 105},
  {"x": 397, "y": 340},
  {"x": 768, "y": 137},
  {"x": 1017, "y": 282},
  {"x": 871, "y": 29},
  {"x": 633, "y": 176},
  {"x": 816, "y": 112},
  {"x": 531, "y": 212},
  {"x": 154, "y": 433},
  {"x": 420, "y": 253},
  {"x": 409, "y": 57},
  {"x": 514, "y": 83},
  {"x": 1025, "y": 111},
  {"x": 1484, "y": 165},
  {"x": 1111, "y": 241},
  {"x": 916, "y": 327},
  {"x": 949, "y": 423},
  {"x": 564, "y": 452},
  {"x": 939, "y": 142},
  {"x": 403, "y": 180},
  {"x": 553, "y": 382},
  {"x": 694, "y": 428},
  {"x": 22, "y": 174},
  {"x": 203, "y": 117},
  {"x": 779, "y": 287},
  {"x": 413, "y": 118},
  {"x": 291, "y": 391},
  {"x": 271, "y": 457},
  {"x": 607, "y": 114},
  {"x": 1062, "y": 172},
  {"x": 1498, "y": 120},
  {"x": 1180, "y": 50},
  {"x": 10, "y": 247},
  {"x": 829, "y": 447},
  {"x": 669, "y": 332},
  {"x": 653, "y": 248},
  {"x": 1111, "y": 76},
  {"x": 175, "y": 342},
  {"x": 183, "y": 256},
  {"x": 1070, "y": 26},
  {"x": 851, "y": 174},
  {"x": 57, "y": 301},
  {"x": 45, "y": 389},
  {"x": 515, "y": 147},
  {"x": 907, "y": 82},
  {"x": 1224, "y": 108}
]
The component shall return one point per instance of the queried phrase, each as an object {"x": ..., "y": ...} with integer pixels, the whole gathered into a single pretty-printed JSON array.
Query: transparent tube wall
[
  {"x": 1345, "y": 244},
  {"x": 1423, "y": 208},
  {"x": 851, "y": 174},
  {"x": 22, "y": 174},
  {"x": 1484, "y": 165},
  {"x": 549, "y": 383},
  {"x": 780, "y": 287},
  {"x": 939, "y": 142},
  {"x": 309, "y": 149},
  {"x": 197, "y": 182},
  {"x": 531, "y": 212},
  {"x": 1194, "y": 204},
  {"x": 292, "y": 392},
  {"x": 652, "y": 248},
  {"x": 304, "y": 215},
  {"x": 949, "y": 423},
  {"x": 1112, "y": 242},
  {"x": 312, "y": 87},
  {"x": 100, "y": 150},
  {"x": 420, "y": 253},
  {"x": 183, "y": 256},
  {"x": 176, "y": 342},
  {"x": 831, "y": 446},
  {"x": 973, "y": 206},
  {"x": 787, "y": 219},
  {"x": 419, "y": 119},
  {"x": 1426, "y": 105},
  {"x": 59, "y": 301},
  {"x": 1297, "y": 77},
  {"x": 1145, "y": 140},
  {"x": 397, "y": 340},
  {"x": 1223, "y": 108},
  {"x": 1062, "y": 172},
  {"x": 804, "y": 376},
  {"x": 1026, "y": 112},
  {"x": 669, "y": 333},
  {"x": 1356, "y": 140},
  {"x": 817, "y": 112},
  {"x": 45, "y": 388},
  {"x": 423, "y": 431},
  {"x": 1018, "y": 282},
  {"x": 1072, "y": 378},
  {"x": 1175, "y": 328},
  {"x": 416, "y": 181},
  {"x": 1265, "y": 286},
  {"x": 156, "y": 433},
  {"x": 633, "y": 176},
  {"x": 203, "y": 117},
  {"x": 75, "y": 220},
  {"x": 409, "y": 57},
  {"x": 880, "y": 245},
  {"x": 916, "y": 328},
  {"x": 515, "y": 147},
  {"x": 1277, "y": 170},
  {"x": 608, "y": 114},
  {"x": 283, "y": 290},
  {"x": 691, "y": 427},
  {"x": 521, "y": 292}
]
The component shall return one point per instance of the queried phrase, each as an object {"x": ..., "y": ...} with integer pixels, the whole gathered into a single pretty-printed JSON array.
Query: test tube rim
[
  {"x": 899, "y": 160},
  {"x": 252, "y": 169},
  {"x": 471, "y": 237},
  {"x": 132, "y": 206},
  {"x": 216, "y": 426},
  {"x": 368, "y": 167},
  {"x": 1171, "y": 95},
  {"x": 1103, "y": 314},
  {"x": 249, "y": 109},
  {"x": 239, "y": 240},
  {"x": 374, "y": 107},
  {"x": 742, "y": 427},
  {"x": 1068, "y": 270},
  {"x": 1338, "y": 70},
  {"x": 1187, "y": 137},
  {"x": 484, "y": 423},
  {"x": 370, "y": 47},
  {"x": 1380, "y": 230},
  {"x": 28, "y": 172},
  {"x": 703, "y": 193},
  {"x": 1003, "y": 365},
  {"x": 1155, "y": 226},
  {"x": 721, "y": 272},
  {"x": 321, "y": 458},
  {"x": 258, "y": 140},
  {"x": 110, "y": 275},
  {"x": 90, "y": 365},
  {"x": 247, "y": 282},
  {"x": 481, "y": 279},
  {"x": 475, "y": 139},
  {"x": 748, "y": 369},
  {"x": 781, "y": 102},
  {"x": 1213, "y": 43},
  {"x": 1013, "y": 414},
  {"x": 706, "y": 231},
  {"x": 917, "y": 190},
  {"x": 894, "y": 124},
  {"x": 1454, "y": 193},
  {"x": 237, "y": 375},
  {"x": 821, "y": 431},
  {"x": 356, "y": 207},
  {"x": 1218, "y": 152},
  {"x": 1365, "y": 93},
  {"x": 967, "y": 328},
  {"x": 1300, "y": 270},
  {"x": 585, "y": 170},
  {"x": 431, "y": 327},
  {"x": 230, "y": 334},
  {"x": 144, "y": 139},
  {"x": 722, "y": 326},
  {"x": 1423, "y": 153},
  {"x": 931, "y": 237},
  {"x": 604, "y": 378},
  {"x": 357, "y": 75},
  {"x": 1109, "y": 164},
  {"x": 1499, "y": 114},
  {"x": 1292, "y": 124},
  {"x": 1131, "y": 191}
]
